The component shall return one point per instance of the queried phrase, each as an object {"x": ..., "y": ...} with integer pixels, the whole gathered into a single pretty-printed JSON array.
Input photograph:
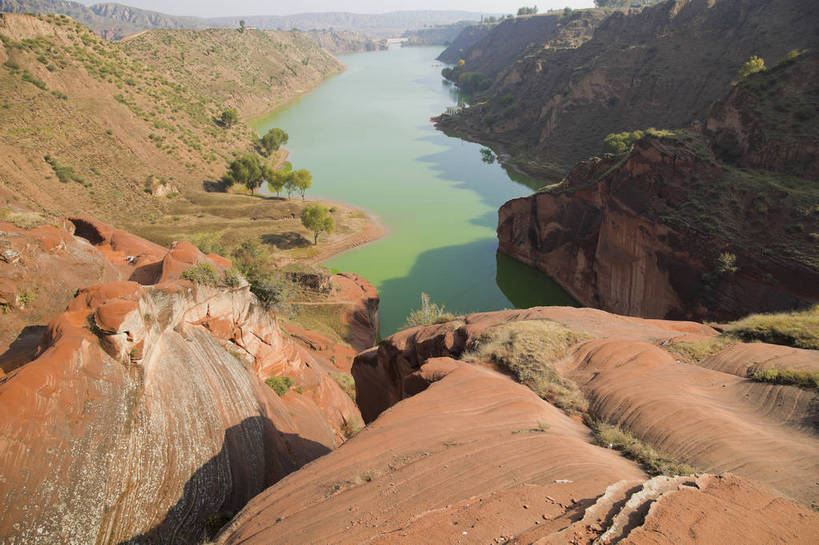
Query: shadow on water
[
  {"x": 251, "y": 459},
  {"x": 477, "y": 280},
  {"x": 492, "y": 182},
  {"x": 516, "y": 280}
]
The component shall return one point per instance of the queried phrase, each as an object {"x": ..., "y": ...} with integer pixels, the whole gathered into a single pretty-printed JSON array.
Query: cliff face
[
  {"x": 643, "y": 233},
  {"x": 144, "y": 416},
  {"x": 466, "y": 455},
  {"x": 663, "y": 66}
]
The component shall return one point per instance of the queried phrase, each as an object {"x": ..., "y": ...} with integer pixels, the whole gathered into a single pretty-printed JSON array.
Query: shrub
[
  {"x": 229, "y": 117},
  {"x": 797, "y": 329},
  {"x": 350, "y": 428},
  {"x": 11, "y": 65},
  {"x": 280, "y": 385},
  {"x": 202, "y": 273},
  {"x": 528, "y": 350},
  {"x": 654, "y": 462},
  {"x": 64, "y": 173},
  {"x": 726, "y": 264},
  {"x": 429, "y": 313},
  {"x": 232, "y": 278},
  {"x": 621, "y": 142},
  {"x": 752, "y": 66},
  {"x": 34, "y": 81},
  {"x": 346, "y": 382}
]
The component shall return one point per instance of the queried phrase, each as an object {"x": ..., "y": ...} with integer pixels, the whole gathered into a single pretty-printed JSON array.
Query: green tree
[
  {"x": 318, "y": 220},
  {"x": 273, "y": 140},
  {"x": 752, "y": 66},
  {"x": 527, "y": 11},
  {"x": 242, "y": 25},
  {"x": 276, "y": 181},
  {"x": 250, "y": 171},
  {"x": 229, "y": 117},
  {"x": 302, "y": 180}
]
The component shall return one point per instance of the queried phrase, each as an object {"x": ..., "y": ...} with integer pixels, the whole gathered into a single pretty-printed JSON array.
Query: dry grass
[
  {"x": 23, "y": 219},
  {"x": 699, "y": 351},
  {"x": 794, "y": 377},
  {"x": 654, "y": 462},
  {"x": 797, "y": 329},
  {"x": 325, "y": 319},
  {"x": 346, "y": 382},
  {"x": 529, "y": 350}
]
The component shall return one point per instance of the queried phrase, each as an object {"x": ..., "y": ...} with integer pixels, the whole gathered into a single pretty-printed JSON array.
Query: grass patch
[
  {"x": 64, "y": 173},
  {"x": 327, "y": 320},
  {"x": 346, "y": 382},
  {"x": 528, "y": 350},
  {"x": 202, "y": 273},
  {"x": 797, "y": 329},
  {"x": 23, "y": 219},
  {"x": 280, "y": 385},
  {"x": 804, "y": 379},
  {"x": 698, "y": 351},
  {"x": 350, "y": 428},
  {"x": 653, "y": 461}
]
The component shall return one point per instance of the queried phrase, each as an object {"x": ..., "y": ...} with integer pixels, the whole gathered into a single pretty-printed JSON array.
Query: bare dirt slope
[{"x": 117, "y": 120}]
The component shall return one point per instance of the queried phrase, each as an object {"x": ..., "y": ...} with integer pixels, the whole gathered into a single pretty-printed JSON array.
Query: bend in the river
[{"x": 367, "y": 138}]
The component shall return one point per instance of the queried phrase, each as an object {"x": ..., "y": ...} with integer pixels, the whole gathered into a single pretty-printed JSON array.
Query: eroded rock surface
[
  {"x": 474, "y": 458},
  {"x": 706, "y": 415},
  {"x": 145, "y": 417}
]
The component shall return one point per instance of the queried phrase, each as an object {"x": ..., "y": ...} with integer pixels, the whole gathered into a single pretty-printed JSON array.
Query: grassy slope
[{"x": 117, "y": 115}]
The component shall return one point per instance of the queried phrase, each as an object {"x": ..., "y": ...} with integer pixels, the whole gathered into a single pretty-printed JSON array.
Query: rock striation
[
  {"x": 144, "y": 417},
  {"x": 458, "y": 452}
]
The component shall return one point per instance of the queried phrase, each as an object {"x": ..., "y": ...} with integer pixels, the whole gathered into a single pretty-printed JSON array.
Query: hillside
[
  {"x": 437, "y": 35},
  {"x": 549, "y": 108},
  {"x": 712, "y": 223},
  {"x": 489, "y": 48},
  {"x": 115, "y": 21},
  {"x": 337, "y": 42},
  {"x": 113, "y": 117},
  {"x": 111, "y": 21}
]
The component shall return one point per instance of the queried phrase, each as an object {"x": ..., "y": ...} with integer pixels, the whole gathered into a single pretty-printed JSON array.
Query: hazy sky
[{"x": 212, "y": 8}]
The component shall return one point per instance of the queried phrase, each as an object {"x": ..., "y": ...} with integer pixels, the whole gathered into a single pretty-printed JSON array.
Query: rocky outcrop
[
  {"x": 644, "y": 236},
  {"x": 466, "y": 455},
  {"x": 41, "y": 268},
  {"x": 145, "y": 417},
  {"x": 709, "y": 415}
]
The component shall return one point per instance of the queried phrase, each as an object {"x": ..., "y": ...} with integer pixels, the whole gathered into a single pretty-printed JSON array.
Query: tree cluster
[{"x": 527, "y": 11}]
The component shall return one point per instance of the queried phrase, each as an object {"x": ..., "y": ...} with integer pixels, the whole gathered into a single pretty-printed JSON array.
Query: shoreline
[{"x": 375, "y": 230}]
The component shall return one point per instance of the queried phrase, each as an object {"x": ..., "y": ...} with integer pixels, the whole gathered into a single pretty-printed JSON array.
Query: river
[{"x": 367, "y": 138}]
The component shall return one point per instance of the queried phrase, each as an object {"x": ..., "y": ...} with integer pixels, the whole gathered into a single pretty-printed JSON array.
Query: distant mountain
[{"x": 115, "y": 21}]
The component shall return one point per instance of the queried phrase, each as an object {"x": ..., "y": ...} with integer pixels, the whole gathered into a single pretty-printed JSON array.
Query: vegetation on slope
[
  {"x": 124, "y": 118},
  {"x": 797, "y": 329},
  {"x": 528, "y": 350}
]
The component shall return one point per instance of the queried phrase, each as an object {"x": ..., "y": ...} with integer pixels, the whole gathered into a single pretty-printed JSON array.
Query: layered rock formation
[
  {"x": 460, "y": 453},
  {"x": 644, "y": 234},
  {"x": 145, "y": 418}
]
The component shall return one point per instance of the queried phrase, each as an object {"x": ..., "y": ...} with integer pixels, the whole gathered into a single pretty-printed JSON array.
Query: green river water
[{"x": 367, "y": 138}]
